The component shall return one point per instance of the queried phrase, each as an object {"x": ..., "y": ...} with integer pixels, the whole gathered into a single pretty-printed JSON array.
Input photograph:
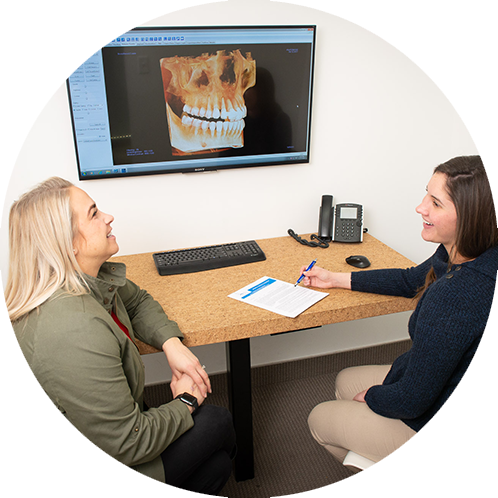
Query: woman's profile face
[
  {"x": 438, "y": 213},
  {"x": 93, "y": 242}
]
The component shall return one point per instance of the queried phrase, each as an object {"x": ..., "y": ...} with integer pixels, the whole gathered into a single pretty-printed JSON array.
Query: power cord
[{"x": 321, "y": 243}]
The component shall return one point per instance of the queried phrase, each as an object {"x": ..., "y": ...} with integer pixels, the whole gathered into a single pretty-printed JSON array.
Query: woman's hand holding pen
[
  {"x": 324, "y": 279},
  {"x": 182, "y": 361}
]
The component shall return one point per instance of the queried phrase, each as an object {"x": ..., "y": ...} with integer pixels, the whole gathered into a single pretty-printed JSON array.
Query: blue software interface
[{"x": 165, "y": 100}]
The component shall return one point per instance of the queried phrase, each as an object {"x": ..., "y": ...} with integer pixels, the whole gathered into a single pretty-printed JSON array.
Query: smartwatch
[{"x": 189, "y": 400}]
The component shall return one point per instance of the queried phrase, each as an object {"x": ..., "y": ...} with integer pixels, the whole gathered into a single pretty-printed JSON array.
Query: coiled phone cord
[{"x": 321, "y": 243}]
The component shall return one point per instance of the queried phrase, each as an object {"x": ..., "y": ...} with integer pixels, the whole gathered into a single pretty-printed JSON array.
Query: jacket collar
[{"x": 110, "y": 278}]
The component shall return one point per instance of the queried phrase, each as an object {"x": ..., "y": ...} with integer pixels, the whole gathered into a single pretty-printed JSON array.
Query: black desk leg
[{"x": 239, "y": 395}]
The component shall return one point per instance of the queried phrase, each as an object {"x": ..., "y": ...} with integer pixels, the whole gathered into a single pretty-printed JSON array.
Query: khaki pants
[{"x": 344, "y": 424}]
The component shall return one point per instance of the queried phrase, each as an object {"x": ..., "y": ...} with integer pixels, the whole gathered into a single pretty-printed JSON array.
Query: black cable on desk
[{"x": 321, "y": 243}]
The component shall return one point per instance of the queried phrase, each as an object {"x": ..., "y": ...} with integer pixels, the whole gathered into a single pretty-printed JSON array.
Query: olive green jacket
[{"x": 93, "y": 372}]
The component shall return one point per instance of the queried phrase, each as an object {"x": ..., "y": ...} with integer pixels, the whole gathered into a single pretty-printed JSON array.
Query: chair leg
[{"x": 354, "y": 483}]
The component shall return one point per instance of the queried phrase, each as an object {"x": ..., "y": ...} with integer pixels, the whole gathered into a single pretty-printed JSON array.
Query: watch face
[{"x": 188, "y": 398}]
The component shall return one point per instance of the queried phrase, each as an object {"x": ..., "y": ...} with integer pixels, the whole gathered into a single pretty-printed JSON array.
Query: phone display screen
[{"x": 349, "y": 213}]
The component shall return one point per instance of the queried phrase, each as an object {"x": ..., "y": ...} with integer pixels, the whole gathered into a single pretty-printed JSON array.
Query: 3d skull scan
[{"x": 205, "y": 100}]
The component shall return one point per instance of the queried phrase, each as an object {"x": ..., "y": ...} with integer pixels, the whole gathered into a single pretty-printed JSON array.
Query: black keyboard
[{"x": 207, "y": 258}]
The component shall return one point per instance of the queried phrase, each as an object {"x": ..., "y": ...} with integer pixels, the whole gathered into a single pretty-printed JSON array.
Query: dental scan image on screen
[
  {"x": 168, "y": 100},
  {"x": 205, "y": 100}
]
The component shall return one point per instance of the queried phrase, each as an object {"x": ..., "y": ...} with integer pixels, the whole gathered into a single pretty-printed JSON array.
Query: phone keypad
[{"x": 347, "y": 229}]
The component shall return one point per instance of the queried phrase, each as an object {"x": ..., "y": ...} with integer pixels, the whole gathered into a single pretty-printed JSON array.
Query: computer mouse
[{"x": 358, "y": 261}]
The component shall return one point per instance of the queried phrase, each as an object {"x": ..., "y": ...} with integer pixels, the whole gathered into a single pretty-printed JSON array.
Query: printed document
[{"x": 279, "y": 297}]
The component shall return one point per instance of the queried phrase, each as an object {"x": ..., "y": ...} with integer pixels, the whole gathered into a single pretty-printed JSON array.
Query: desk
[{"x": 198, "y": 302}]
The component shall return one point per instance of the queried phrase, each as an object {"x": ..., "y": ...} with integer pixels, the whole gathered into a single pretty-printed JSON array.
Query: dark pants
[{"x": 201, "y": 459}]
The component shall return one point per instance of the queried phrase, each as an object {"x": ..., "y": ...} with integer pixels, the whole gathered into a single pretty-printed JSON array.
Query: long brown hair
[{"x": 468, "y": 187}]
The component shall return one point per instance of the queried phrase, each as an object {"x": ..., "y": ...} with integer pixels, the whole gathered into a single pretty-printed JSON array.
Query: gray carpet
[{"x": 287, "y": 459}]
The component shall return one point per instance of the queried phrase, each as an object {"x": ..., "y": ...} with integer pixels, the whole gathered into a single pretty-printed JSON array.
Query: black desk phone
[{"x": 344, "y": 223}]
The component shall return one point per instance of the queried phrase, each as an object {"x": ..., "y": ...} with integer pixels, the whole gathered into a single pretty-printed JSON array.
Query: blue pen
[{"x": 311, "y": 265}]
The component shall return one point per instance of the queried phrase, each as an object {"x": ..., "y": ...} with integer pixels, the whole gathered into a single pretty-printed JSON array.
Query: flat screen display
[
  {"x": 349, "y": 213},
  {"x": 166, "y": 100}
]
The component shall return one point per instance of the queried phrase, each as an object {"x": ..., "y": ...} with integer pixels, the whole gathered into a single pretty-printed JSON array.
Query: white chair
[{"x": 487, "y": 472}]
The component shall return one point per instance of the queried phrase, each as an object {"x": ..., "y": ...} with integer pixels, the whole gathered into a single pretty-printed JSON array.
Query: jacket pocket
[{"x": 99, "y": 478}]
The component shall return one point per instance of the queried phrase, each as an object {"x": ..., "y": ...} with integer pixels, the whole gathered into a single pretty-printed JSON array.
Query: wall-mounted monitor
[{"x": 186, "y": 99}]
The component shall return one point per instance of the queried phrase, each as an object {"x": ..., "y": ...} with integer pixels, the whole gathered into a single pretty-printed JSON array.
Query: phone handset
[{"x": 326, "y": 218}]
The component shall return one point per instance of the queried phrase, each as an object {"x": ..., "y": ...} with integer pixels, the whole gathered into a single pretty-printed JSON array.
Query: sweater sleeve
[
  {"x": 79, "y": 364},
  {"x": 396, "y": 281},
  {"x": 447, "y": 331}
]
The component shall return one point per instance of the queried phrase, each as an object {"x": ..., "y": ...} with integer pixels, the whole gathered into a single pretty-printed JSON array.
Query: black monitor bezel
[{"x": 190, "y": 170}]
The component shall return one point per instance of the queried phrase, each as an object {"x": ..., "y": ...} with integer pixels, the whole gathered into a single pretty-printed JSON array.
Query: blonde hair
[{"x": 41, "y": 257}]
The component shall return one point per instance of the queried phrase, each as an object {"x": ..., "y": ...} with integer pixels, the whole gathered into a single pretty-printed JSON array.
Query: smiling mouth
[{"x": 426, "y": 223}]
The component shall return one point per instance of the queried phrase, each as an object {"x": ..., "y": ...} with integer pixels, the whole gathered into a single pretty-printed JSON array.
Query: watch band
[{"x": 189, "y": 400}]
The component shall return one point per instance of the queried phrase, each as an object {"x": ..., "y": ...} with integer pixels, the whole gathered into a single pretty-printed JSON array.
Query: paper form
[{"x": 277, "y": 296}]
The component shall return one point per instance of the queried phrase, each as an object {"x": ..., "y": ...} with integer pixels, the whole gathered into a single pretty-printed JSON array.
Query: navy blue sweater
[{"x": 445, "y": 328}]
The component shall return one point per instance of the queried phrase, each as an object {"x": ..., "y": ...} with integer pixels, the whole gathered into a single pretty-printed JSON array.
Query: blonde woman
[{"x": 77, "y": 316}]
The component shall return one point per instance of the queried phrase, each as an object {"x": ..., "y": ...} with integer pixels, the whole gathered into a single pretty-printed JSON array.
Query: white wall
[{"x": 379, "y": 127}]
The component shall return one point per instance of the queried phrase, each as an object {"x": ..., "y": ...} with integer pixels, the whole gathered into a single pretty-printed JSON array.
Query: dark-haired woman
[{"x": 379, "y": 408}]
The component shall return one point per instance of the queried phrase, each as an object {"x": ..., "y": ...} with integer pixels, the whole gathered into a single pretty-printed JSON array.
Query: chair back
[{"x": 487, "y": 465}]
